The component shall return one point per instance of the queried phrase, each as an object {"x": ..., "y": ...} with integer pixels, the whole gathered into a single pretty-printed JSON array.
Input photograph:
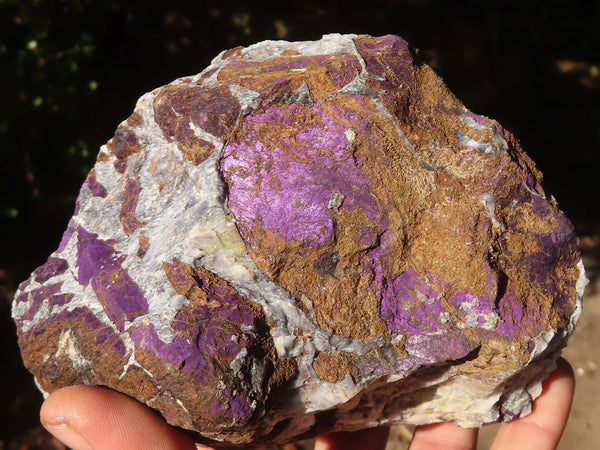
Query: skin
[{"x": 85, "y": 417}]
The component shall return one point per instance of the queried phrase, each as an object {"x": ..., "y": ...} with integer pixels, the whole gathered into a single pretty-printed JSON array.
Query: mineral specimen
[{"x": 306, "y": 237}]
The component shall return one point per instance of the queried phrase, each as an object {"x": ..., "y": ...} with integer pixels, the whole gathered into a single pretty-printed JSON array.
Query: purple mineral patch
[
  {"x": 100, "y": 265},
  {"x": 286, "y": 186},
  {"x": 409, "y": 305},
  {"x": 91, "y": 183},
  {"x": 53, "y": 267}
]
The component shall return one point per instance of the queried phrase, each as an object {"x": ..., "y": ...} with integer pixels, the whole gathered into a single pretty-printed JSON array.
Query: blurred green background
[{"x": 71, "y": 70}]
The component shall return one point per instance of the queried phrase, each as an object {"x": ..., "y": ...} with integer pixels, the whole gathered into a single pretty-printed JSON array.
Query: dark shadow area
[{"x": 72, "y": 70}]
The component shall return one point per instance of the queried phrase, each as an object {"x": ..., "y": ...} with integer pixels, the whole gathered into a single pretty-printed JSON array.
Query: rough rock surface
[{"x": 304, "y": 237}]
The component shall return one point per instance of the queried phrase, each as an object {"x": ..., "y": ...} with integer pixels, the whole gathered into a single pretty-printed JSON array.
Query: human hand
[
  {"x": 540, "y": 430},
  {"x": 85, "y": 417}
]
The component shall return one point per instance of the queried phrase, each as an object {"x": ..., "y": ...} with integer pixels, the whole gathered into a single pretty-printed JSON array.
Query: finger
[
  {"x": 543, "y": 428},
  {"x": 372, "y": 438},
  {"x": 448, "y": 436},
  {"x": 85, "y": 417}
]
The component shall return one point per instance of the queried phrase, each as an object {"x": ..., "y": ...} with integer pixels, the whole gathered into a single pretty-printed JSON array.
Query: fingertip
[
  {"x": 371, "y": 439},
  {"x": 62, "y": 406},
  {"x": 543, "y": 428},
  {"x": 448, "y": 435},
  {"x": 563, "y": 370},
  {"x": 60, "y": 420},
  {"x": 86, "y": 417}
]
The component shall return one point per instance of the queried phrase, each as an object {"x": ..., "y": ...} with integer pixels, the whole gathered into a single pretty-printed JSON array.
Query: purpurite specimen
[{"x": 305, "y": 237}]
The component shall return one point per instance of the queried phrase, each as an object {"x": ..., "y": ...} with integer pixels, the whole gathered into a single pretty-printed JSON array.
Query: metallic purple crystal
[{"x": 288, "y": 189}]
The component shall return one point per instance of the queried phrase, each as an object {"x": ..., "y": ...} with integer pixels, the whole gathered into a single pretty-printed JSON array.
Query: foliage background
[{"x": 71, "y": 70}]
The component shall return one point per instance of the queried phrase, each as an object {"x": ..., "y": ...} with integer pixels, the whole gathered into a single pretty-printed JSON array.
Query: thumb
[{"x": 86, "y": 418}]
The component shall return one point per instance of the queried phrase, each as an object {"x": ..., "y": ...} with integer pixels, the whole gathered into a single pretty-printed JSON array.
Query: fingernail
[{"x": 67, "y": 435}]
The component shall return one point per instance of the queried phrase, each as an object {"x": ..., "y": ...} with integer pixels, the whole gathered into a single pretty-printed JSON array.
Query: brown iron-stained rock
[{"x": 308, "y": 237}]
